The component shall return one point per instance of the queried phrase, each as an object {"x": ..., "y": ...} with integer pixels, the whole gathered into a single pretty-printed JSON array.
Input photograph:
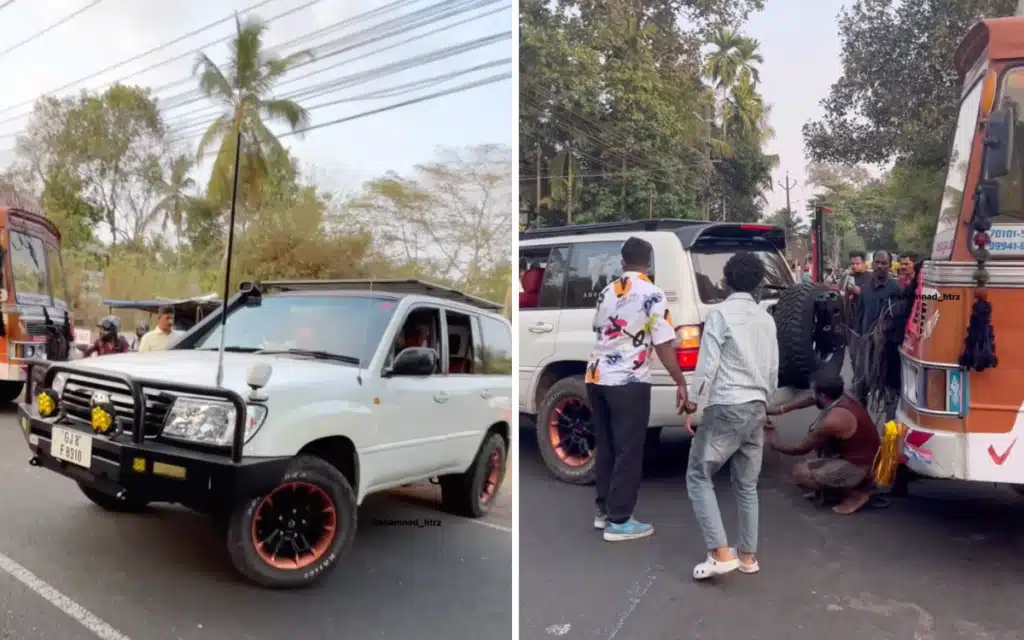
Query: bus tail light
[{"x": 689, "y": 346}]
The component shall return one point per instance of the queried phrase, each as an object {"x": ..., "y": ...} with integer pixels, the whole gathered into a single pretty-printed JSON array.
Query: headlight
[
  {"x": 59, "y": 381},
  {"x": 210, "y": 421}
]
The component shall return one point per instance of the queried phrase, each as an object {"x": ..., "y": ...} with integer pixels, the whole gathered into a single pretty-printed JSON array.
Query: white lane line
[{"x": 80, "y": 614}]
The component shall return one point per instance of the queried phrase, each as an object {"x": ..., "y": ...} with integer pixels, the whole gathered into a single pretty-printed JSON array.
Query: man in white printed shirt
[
  {"x": 737, "y": 373},
  {"x": 631, "y": 323}
]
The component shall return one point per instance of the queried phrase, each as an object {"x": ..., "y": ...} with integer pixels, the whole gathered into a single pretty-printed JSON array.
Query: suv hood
[{"x": 187, "y": 366}]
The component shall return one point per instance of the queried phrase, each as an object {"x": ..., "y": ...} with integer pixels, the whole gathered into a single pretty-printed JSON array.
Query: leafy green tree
[
  {"x": 898, "y": 95},
  {"x": 244, "y": 89}
]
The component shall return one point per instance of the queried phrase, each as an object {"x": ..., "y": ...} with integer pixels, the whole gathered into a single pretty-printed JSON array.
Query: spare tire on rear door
[{"x": 811, "y": 331}]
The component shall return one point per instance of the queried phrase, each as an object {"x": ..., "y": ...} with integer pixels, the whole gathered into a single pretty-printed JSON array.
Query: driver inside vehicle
[{"x": 417, "y": 332}]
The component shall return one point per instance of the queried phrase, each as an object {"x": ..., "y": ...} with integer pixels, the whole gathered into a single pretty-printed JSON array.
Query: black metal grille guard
[{"x": 136, "y": 386}]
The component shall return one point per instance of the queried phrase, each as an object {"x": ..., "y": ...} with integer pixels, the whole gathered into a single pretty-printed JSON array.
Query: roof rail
[
  {"x": 662, "y": 224},
  {"x": 397, "y": 287}
]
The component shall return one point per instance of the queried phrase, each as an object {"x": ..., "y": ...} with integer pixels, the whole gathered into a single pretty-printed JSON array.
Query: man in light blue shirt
[{"x": 737, "y": 373}]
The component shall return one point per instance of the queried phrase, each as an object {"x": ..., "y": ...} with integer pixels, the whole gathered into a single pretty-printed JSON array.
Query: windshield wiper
[
  {"x": 232, "y": 349},
  {"x": 319, "y": 355}
]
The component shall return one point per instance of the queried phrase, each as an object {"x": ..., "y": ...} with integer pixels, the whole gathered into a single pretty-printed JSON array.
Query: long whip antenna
[{"x": 227, "y": 260}]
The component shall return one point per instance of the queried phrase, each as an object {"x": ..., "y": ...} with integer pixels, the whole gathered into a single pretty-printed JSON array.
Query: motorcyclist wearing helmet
[
  {"x": 110, "y": 340},
  {"x": 140, "y": 331}
]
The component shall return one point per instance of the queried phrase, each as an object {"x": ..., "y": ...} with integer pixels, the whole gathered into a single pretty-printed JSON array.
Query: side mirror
[
  {"x": 414, "y": 361},
  {"x": 998, "y": 153}
]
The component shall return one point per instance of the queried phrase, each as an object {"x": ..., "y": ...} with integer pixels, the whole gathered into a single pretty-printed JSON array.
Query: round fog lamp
[
  {"x": 102, "y": 415},
  {"x": 46, "y": 403}
]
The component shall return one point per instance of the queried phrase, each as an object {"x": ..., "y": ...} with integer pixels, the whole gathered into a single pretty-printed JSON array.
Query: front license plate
[{"x": 72, "y": 446}]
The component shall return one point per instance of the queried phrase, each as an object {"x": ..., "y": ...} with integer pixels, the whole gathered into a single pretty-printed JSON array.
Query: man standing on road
[
  {"x": 631, "y": 322},
  {"x": 159, "y": 338},
  {"x": 873, "y": 300},
  {"x": 737, "y": 373},
  {"x": 844, "y": 438}
]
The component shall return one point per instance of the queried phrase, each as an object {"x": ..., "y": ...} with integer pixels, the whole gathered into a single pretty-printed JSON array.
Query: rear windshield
[{"x": 709, "y": 265}]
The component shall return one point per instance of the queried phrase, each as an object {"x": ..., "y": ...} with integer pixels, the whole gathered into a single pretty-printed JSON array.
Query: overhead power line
[
  {"x": 402, "y": 24},
  {"x": 6, "y": 4},
  {"x": 39, "y": 34},
  {"x": 29, "y": 103},
  {"x": 405, "y": 103},
  {"x": 205, "y": 111},
  {"x": 189, "y": 131}
]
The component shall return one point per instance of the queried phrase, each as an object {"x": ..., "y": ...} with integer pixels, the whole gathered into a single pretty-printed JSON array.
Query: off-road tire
[
  {"x": 9, "y": 391},
  {"x": 566, "y": 387},
  {"x": 246, "y": 560},
  {"x": 461, "y": 493},
  {"x": 110, "y": 503},
  {"x": 794, "y": 315}
]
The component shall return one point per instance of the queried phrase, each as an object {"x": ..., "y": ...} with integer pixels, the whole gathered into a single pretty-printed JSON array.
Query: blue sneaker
[
  {"x": 600, "y": 521},
  {"x": 628, "y": 530}
]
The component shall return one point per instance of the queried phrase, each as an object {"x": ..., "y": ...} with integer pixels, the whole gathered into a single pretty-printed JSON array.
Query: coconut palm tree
[
  {"x": 244, "y": 89},
  {"x": 733, "y": 62},
  {"x": 175, "y": 197}
]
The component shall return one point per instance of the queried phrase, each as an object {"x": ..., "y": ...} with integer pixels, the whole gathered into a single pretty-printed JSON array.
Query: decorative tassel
[
  {"x": 887, "y": 460},
  {"x": 980, "y": 345}
]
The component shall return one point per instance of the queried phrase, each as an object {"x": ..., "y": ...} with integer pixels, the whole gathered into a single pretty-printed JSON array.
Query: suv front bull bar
[{"x": 135, "y": 387}]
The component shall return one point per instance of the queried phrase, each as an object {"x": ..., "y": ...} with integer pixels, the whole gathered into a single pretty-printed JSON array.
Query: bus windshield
[
  {"x": 36, "y": 269},
  {"x": 956, "y": 178}
]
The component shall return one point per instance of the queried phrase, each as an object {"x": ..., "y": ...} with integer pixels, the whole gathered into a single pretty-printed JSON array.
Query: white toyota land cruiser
[{"x": 330, "y": 391}]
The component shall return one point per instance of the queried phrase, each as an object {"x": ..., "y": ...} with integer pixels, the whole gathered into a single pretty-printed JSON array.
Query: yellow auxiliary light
[
  {"x": 46, "y": 403},
  {"x": 101, "y": 415}
]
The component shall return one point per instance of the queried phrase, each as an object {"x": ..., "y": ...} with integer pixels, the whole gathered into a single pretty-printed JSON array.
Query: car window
[
  {"x": 592, "y": 265},
  {"x": 28, "y": 266},
  {"x": 343, "y": 325},
  {"x": 542, "y": 277},
  {"x": 497, "y": 346},
  {"x": 709, "y": 268},
  {"x": 420, "y": 328},
  {"x": 461, "y": 350}
]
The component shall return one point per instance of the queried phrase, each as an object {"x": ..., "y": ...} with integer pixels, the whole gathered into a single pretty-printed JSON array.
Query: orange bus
[
  {"x": 35, "y": 321},
  {"x": 962, "y": 360}
]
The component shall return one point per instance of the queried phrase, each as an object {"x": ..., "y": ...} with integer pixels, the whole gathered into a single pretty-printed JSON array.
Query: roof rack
[
  {"x": 397, "y": 287},
  {"x": 663, "y": 224}
]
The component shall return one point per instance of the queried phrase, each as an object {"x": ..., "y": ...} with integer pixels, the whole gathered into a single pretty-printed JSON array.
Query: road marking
[
  {"x": 490, "y": 525},
  {"x": 637, "y": 594},
  {"x": 80, "y": 614},
  {"x": 558, "y": 629}
]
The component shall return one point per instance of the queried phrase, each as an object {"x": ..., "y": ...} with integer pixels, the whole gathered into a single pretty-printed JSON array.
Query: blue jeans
[{"x": 733, "y": 434}]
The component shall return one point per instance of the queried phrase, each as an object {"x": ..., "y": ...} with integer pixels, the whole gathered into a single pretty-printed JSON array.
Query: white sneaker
[{"x": 712, "y": 567}]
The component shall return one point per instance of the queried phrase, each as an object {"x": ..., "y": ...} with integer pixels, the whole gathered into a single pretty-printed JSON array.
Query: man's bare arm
[{"x": 806, "y": 399}]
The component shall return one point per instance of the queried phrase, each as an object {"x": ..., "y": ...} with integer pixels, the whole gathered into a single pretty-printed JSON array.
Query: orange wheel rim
[
  {"x": 571, "y": 433},
  {"x": 493, "y": 478},
  {"x": 294, "y": 526}
]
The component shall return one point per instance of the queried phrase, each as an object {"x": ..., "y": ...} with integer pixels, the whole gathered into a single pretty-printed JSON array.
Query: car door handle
[
  {"x": 542, "y": 327},
  {"x": 486, "y": 395},
  {"x": 441, "y": 397}
]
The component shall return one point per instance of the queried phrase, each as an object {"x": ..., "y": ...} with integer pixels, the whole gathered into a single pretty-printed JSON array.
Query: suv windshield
[
  {"x": 709, "y": 267},
  {"x": 340, "y": 325}
]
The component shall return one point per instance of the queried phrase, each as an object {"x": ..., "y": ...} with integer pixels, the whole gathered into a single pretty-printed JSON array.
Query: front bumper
[{"x": 153, "y": 471}]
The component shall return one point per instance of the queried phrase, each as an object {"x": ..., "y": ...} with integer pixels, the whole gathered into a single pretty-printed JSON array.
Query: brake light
[
  {"x": 756, "y": 227},
  {"x": 689, "y": 346}
]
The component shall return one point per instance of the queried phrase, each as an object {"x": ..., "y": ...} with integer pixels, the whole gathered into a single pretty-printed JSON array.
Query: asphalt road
[
  {"x": 70, "y": 571},
  {"x": 946, "y": 563}
]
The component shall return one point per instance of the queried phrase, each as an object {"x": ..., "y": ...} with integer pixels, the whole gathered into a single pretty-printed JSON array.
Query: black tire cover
[{"x": 794, "y": 315}]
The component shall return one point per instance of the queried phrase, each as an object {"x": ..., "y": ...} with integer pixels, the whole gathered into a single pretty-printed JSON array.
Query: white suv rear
[{"x": 562, "y": 272}]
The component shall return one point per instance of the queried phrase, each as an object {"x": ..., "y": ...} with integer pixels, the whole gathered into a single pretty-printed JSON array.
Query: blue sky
[
  {"x": 341, "y": 155},
  {"x": 800, "y": 45}
]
